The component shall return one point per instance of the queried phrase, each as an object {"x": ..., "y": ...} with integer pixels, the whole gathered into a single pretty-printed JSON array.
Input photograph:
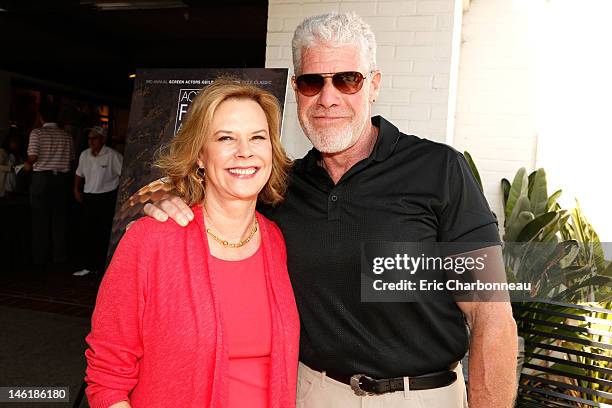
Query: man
[
  {"x": 364, "y": 181},
  {"x": 50, "y": 153},
  {"x": 100, "y": 168}
]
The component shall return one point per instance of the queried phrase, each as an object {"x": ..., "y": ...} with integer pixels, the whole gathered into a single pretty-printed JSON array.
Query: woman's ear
[{"x": 200, "y": 161}]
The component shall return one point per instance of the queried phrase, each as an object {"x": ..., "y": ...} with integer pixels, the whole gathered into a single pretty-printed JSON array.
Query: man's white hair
[{"x": 336, "y": 29}]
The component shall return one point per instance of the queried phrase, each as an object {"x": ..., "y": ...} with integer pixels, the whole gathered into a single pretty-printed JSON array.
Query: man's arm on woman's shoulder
[{"x": 160, "y": 202}]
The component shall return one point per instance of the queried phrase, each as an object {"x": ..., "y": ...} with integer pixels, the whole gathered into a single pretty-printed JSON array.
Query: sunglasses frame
[{"x": 324, "y": 75}]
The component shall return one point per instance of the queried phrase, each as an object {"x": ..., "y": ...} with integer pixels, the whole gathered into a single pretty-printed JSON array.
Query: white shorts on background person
[{"x": 315, "y": 390}]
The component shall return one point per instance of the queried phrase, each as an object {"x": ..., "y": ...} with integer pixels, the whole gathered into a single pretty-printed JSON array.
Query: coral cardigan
[{"x": 157, "y": 337}]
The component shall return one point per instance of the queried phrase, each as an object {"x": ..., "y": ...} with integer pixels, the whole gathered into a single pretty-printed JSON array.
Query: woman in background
[
  {"x": 204, "y": 316},
  {"x": 9, "y": 158}
]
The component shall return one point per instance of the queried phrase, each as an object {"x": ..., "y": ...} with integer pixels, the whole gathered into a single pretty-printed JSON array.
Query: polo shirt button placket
[{"x": 332, "y": 207}]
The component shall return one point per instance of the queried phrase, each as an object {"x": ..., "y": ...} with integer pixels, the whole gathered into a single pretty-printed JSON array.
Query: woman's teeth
[{"x": 248, "y": 171}]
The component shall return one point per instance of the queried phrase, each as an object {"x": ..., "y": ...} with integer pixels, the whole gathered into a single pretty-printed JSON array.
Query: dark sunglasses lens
[
  {"x": 348, "y": 82},
  {"x": 309, "y": 84}
]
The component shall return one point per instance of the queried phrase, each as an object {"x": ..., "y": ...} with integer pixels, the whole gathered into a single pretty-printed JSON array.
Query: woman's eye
[
  {"x": 225, "y": 138},
  {"x": 259, "y": 137}
]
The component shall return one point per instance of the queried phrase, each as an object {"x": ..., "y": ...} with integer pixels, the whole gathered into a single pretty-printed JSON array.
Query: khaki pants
[{"x": 315, "y": 390}]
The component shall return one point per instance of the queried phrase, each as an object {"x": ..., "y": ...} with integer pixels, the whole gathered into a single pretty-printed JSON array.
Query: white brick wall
[
  {"x": 414, "y": 54},
  {"x": 495, "y": 117}
]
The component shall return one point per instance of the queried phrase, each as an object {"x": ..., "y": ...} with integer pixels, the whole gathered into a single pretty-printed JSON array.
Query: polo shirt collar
[
  {"x": 102, "y": 151},
  {"x": 388, "y": 135}
]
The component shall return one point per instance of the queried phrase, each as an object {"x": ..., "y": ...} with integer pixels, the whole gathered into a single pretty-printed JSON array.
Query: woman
[
  {"x": 204, "y": 316},
  {"x": 9, "y": 158}
]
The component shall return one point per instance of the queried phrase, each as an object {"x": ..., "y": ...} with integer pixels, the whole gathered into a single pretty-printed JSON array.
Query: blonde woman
[{"x": 204, "y": 316}]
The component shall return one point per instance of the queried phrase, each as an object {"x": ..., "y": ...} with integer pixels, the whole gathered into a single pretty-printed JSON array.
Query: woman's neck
[{"x": 232, "y": 219}]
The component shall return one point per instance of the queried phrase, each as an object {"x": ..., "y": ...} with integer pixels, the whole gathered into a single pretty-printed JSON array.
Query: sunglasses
[{"x": 348, "y": 82}]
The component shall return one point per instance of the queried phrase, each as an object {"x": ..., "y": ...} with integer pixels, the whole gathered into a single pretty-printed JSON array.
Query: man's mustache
[{"x": 331, "y": 113}]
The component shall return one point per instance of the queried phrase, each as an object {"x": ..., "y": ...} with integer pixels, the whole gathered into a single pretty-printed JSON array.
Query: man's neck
[{"x": 337, "y": 164}]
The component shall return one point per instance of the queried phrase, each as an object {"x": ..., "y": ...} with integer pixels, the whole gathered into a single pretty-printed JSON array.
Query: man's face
[
  {"x": 95, "y": 141},
  {"x": 332, "y": 120}
]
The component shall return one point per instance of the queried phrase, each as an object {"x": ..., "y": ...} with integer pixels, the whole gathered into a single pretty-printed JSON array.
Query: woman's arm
[
  {"x": 115, "y": 342},
  {"x": 5, "y": 165},
  {"x": 122, "y": 404}
]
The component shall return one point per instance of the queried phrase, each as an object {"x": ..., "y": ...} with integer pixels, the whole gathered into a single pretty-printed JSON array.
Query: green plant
[{"x": 559, "y": 252}]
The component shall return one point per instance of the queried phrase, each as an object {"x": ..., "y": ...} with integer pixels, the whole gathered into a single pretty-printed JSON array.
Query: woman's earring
[{"x": 200, "y": 174}]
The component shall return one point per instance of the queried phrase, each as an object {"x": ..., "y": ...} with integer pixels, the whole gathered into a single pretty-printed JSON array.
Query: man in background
[
  {"x": 99, "y": 167},
  {"x": 50, "y": 153}
]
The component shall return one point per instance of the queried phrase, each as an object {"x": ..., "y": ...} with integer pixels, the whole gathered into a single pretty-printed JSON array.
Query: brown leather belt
[{"x": 364, "y": 385}]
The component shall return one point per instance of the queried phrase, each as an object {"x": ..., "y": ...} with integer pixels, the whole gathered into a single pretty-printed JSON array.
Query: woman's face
[
  {"x": 14, "y": 145},
  {"x": 237, "y": 156}
]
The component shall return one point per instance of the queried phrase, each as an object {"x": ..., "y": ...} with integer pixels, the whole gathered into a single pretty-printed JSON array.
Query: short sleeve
[
  {"x": 34, "y": 145},
  {"x": 467, "y": 216},
  {"x": 117, "y": 163}
]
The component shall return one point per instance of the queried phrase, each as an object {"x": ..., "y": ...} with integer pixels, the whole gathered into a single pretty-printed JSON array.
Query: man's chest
[
  {"x": 359, "y": 211},
  {"x": 98, "y": 164}
]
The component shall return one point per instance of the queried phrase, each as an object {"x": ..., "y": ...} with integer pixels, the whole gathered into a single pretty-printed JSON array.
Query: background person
[
  {"x": 100, "y": 168},
  {"x": 204, "y": 316},
  {"x": 9, "y": 158},
  {"x": 50, "y": 155}
]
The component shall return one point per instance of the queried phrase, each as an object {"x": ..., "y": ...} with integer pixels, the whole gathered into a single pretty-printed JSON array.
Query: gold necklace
[{"x": 225, "y": 242}]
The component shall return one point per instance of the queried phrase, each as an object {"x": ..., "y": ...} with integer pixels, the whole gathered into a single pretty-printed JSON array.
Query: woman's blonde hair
[{"x": 179, "y": 158}]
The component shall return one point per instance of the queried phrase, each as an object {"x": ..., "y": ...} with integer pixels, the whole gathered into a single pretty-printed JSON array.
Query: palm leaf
[
  {"x": 472, "y": 164},
  {"x": 518, "y": 189},
  {"x": 534, "y": 227},
  {"x": 538, "y": 194}
]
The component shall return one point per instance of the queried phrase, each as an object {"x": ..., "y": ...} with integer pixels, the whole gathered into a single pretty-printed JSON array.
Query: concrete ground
[{"x": 45, "y": 316}]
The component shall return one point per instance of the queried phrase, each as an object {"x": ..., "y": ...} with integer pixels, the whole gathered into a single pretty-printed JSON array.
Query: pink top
[
  {"x": 246, "y": 314},
  {"x": 158, "y": 338}
]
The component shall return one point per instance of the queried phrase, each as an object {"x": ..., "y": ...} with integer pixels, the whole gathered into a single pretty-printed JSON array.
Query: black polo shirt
[{"x": 408, "y": 190}]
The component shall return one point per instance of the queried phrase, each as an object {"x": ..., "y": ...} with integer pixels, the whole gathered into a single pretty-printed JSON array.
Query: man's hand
[
  {"x": 170, "y": 207},
  {"x": 78, "y": 188}
]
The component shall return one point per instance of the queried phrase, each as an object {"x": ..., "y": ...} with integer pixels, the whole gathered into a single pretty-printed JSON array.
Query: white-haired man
[
  {"x": 99, "y": 168},
  {"x": 365, "y": 181}
]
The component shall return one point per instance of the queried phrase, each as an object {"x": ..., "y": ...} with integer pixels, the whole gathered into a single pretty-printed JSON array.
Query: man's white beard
[
  {"x": 331, "y": 140},
  {"x": 334, "y": 140}
]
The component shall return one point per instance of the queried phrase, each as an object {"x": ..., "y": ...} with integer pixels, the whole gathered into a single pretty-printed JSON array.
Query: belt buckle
[{"x": 356, "y": 382}]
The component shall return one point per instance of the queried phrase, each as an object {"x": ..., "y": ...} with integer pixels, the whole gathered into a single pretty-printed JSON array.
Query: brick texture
[{"x": 496, "y": 91}]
